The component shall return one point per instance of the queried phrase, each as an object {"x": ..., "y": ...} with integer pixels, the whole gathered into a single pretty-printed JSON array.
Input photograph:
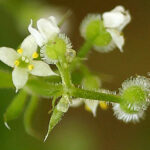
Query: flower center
[{"x": 24, "y": 61}]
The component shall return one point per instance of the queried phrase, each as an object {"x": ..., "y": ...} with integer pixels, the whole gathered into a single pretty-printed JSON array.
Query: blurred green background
[{"x": 79, "y": 130}]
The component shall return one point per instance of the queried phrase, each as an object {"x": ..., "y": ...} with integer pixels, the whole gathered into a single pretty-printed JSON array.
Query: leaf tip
[
  {"x": 7, "y": 126},
  {"x": 46, "y": 137}
]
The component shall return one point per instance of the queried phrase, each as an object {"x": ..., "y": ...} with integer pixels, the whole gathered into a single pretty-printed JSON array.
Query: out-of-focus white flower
[
  {"x": 23, "y": 63},
  {"x": 105, "y": 31},
  {"x": 47, "y": 30},
  {"x": 117, "y": 18},
  {"x": 76, "y": 102},
  {"x": 115, "y": 21},
  {"x": 91, "y": 105}
]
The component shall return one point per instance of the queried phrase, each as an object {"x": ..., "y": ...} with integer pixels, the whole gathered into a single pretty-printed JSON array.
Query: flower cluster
[
  {"x": 23, "y": 62},
  {"x": 109, "y": 26},
  {"x": 104, "y": 33}
]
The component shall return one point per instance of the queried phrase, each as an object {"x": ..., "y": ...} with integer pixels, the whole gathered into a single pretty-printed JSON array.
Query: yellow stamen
[
  {"x": 87, "y": 108},
  {"x": 20, "y": 50},
  {"x": 35, "y": 55},
  {"x": 30, "y": 67},
  {"x": 103, "y": 105},
  {"x": 17, "y": 63}
]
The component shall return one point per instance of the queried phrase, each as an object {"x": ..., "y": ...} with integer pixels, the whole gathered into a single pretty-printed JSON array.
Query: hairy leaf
[
  {"x": 54, "y": 120},
  {"x": 42, "y": 88}
]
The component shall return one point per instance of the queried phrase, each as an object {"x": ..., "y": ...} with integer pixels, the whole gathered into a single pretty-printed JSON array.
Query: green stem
[
  {"x": 81, "y": 93},
  {"x": 65, "y": 75},
  {"x": 85, "y": 48}
]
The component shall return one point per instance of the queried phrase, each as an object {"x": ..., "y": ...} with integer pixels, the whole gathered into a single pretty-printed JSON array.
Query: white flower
[
  {"x": 47, "y": 30},
  {"x": 23, "y": 63},
  {"x": 90, "y": 105},
  {"x": 115, "y": 21},
  {"x": 117, "y": 18},
  {"x": 76, "y": 102}
]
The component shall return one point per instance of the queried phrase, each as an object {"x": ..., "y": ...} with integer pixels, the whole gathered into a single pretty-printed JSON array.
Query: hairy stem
[
  {"x": 81, "y": 93},
  {"x": 65, "y": 75}
]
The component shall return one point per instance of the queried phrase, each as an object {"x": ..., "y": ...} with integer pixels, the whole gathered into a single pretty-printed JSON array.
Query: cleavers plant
[{"x": 71, "y": 83}]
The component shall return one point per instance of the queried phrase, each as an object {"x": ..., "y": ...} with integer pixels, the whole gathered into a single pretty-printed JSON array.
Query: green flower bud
[
  {"x": 93, "y": 30},
  {"x": 135, "y": 99},
  {"x": 56, "y": 49},
  {"x": 91, "y": 82}
]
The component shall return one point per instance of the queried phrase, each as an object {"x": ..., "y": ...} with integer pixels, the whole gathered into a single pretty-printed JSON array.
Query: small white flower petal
[
  {"x": 117, "y": 18},
  {"x": 53, "y": 20},
  {"x": 8, "y": 56},
  {"x": 118, "y": 9},
  {"x": 127, "y": 20},
  {"x": 29, "y": 46},
  {"x": 19, "y": 77},
  {"x": 36, "y": 34},
  {"x": 76, "y": 102},
  {"x": 92, "y": 104},
  {"x": 113, "y": 19},
  {"x": 47, "y": 28},
  {"x": 117, "y": 38},
  {"x": 41, "y": 69}
]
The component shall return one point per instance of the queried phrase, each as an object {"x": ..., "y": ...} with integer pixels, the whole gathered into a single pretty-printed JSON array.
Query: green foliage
[
  {"x": 5, "y": 80},
  {"x": 16, "y": 107},
  {"x": 56, "y": 48},
  {"x": 54, "y": 120},
  {"x": 43, "y": 88},
  {"x": 29, "y": 115}
]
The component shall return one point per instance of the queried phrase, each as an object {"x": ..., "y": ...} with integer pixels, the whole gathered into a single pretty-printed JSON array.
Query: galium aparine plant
[{"x": 71, "y": 84}]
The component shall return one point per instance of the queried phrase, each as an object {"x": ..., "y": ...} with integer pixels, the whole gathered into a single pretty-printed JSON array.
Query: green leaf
[
  {"x": 54, "y": 120},
  {"x": 43, "y": 88},
  {"x": 5, "y": 80},
  {"x": 15, "y": 108},
  {"x": 29, "y": 114}
]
